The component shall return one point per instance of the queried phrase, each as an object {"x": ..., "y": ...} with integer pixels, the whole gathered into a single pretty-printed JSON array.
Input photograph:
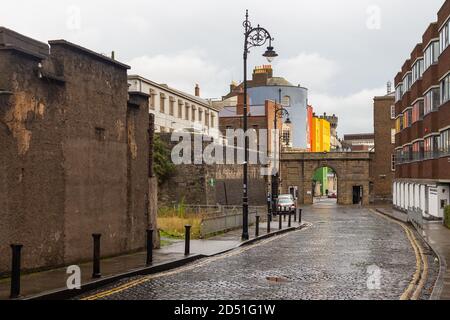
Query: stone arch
[{"x": 352, "y": 169}]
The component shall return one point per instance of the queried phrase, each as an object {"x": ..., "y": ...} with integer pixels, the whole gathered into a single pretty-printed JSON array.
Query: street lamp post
[
  {"x": 280, "y": 112},
  {"x": 253, "y": 37}
]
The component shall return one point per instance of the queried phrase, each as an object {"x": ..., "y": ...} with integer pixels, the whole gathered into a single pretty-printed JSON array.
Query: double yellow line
[{"x": 419, "y": 278}]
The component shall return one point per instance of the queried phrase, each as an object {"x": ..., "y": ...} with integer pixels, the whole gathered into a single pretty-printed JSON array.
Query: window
[
  {"x": 399, "y": 156},
  {"x": 443, "y": 37},
  {"x": 398, "y": 92},
  {"x": 417, "y": 70},
  {"x": 200, "y": 115},
  {"x": 286, "y": 101},
  {"x": 206, "y": 118},
  {"x": 193, "y": 113},
  {"x": 431, "y": 101},
  {"x": 407, "y": 81},
  {"x": 172, "y": 106},
  {"x": 444, "y": 143},
  {"x": 417, "y": 112},
  {"x": 399, "y": 124},
  {"x": 393, "y": 132},
  {"x": 180, "y": 109},
  {"x": 286, "y": 137},
  {"x": 418, "y": 151},
  {"x": 407, "y": 153},
  {"x": 431, "y": 147},
  {"x": 162, "y": 102},
  {"x": 407, "y": 118},
  {"x": 212, "y": 120},
  {"x": 445, "y": 89},
  {"x": 431, "y": 54},
  {"x": 393, "y": 162},
  {"x": 393, "y": 112},
  {"x": 186, "y": 113},
  {"x": 152, "y": 99}
]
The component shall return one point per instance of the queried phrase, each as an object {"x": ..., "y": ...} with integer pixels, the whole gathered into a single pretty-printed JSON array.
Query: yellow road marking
[{"x": 419, "y": 278}]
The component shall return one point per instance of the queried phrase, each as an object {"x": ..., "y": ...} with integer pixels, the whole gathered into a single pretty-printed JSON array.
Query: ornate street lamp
[{"x": 253, "y": 37}]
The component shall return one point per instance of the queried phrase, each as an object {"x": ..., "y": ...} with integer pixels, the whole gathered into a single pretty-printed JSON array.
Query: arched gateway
[{"x": 351, "y": 168}]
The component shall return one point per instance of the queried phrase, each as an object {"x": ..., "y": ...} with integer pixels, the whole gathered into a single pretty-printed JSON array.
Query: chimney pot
[{"x": 197, "y": 90}]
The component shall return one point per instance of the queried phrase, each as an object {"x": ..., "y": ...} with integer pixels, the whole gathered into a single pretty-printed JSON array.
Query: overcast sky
[{"x": 343, "y": 51}]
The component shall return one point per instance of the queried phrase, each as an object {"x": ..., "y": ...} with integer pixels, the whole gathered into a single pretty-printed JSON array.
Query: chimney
[
  {"x": 113, "y": 55},
  {"x": 197, "y": 90}
]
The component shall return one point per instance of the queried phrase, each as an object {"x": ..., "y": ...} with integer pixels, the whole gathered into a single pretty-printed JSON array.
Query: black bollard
[
  {"x": 295, "y": 216},
  {"x": 257, "y": 227},
  {"x": 280, "y": 221},
  {"x": 187, "y": 240},
  {"x": 268, "y": 222},
  {"x": 15, "y": 270},
  {"x": 300, "y": 216},
  {"x": 149, "y": 247},
  {"x": 289, "y": 219},
  {"x": 96, "y": 264}
]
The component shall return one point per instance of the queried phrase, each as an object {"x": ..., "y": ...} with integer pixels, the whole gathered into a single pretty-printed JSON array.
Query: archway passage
[
  {"x": 325, "y": 186},
  {"x": 352, "y": 170}
]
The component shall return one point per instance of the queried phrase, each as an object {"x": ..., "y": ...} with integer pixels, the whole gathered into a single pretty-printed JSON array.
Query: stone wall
[
  {"x": 211, "y": 184},
  {"x": 74, "y": 157}
]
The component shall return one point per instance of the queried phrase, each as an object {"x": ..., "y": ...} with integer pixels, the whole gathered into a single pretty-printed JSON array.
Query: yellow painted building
[{"x": 320, "y": 135}]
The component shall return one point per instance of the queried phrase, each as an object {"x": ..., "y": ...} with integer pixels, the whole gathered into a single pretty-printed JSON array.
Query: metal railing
[{"x": 415, "y": 216}]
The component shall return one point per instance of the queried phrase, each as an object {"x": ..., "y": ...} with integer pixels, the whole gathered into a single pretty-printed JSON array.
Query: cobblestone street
[{"x": 332, "y": 259}]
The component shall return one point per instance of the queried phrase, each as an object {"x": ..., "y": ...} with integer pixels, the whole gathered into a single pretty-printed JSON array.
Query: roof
[
  {"x": 185, "y": 95},
  {"x": 91, "y": 53},
  {"x": 278, "y": 81},
  {"x": 11, "y": 40}
]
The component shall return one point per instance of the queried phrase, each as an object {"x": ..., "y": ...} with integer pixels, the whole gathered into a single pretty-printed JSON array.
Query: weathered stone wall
[
  {"x": 74, "y": 157},
  {"x": 203, "y": 184}
]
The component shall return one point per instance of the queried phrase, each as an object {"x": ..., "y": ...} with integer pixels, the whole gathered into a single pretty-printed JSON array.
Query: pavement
[
  {"x": 47, "y": 281},
  {"x": 347, "y": 253},
  {"x": 438, "y": 237}
]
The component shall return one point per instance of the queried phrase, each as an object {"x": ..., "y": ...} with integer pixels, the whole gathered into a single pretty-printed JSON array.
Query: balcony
[
  {"x": 406, "y": 100},
  {"x": 430, "y": 78},
  {"x": 444, "y": 115},
  {"x": 431, "y": 123},
  {"x": 430, "y": 169},
  {"x": 417, "y": 130},
  {"x": 444, "y": 167},
  {"x": 405, "y": 136},
  {"x": 416, "y": 90}
]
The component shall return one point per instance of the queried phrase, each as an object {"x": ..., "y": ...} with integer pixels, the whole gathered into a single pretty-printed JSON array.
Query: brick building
[
  {"x": 422, "y": 110},
  {"x": 75, "y": 155},
  {"x": 383, "y": 163},
  {"x": 260, "y": 117}
]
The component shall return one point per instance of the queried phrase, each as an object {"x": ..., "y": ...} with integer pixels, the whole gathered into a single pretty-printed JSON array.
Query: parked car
[
  {"x": 286, "y": 205},
  {"x": 332, "y": 196},
  {"x": 286, "y": 196}
]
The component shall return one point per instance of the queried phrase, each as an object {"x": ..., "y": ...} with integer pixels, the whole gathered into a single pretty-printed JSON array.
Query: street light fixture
[{"x": 253, "y": 37}]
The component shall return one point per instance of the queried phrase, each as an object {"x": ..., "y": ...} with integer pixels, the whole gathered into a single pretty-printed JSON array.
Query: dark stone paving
[{"x": 330, "y": 260}]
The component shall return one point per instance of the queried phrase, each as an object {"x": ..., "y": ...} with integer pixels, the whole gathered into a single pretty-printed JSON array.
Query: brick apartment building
[
  {"x": 422, "y": 110},
  {"x": 383, "y": 161},
  {"x": 74, "y": 154}
]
